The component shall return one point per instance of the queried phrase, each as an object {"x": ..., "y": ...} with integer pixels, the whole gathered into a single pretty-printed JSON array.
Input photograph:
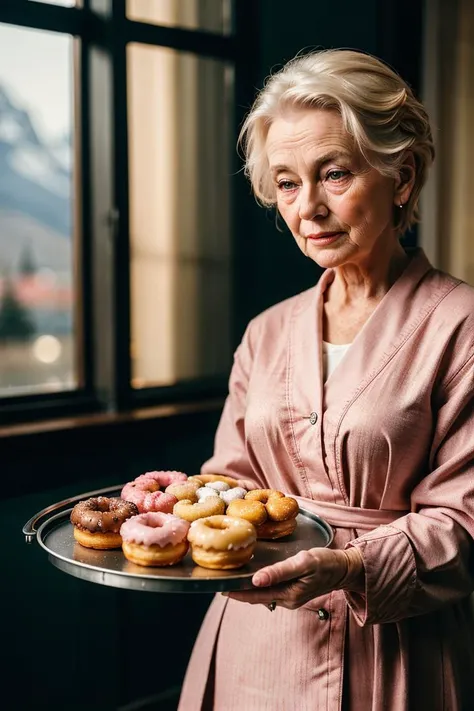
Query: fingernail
[{"x": 261, "y": 579}]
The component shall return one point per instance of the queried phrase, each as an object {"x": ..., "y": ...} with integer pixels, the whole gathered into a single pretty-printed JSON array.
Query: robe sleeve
[
  {"x": 424, "y": 560},
  {"x": 230, "y": 454}
]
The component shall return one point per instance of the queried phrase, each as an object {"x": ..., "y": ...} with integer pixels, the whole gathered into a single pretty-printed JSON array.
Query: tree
[
  {"x": 15, "y": 320},
  {"x": 27, "y": 262}
]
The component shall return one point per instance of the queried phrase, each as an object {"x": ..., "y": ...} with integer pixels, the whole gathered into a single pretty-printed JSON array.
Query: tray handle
[{"x": 31, "y": 527}]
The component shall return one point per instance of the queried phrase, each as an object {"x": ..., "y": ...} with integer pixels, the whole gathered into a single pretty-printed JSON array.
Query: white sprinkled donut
[
  {"x": 204, "y": 492},
  {"x": 231, "y": 494}
]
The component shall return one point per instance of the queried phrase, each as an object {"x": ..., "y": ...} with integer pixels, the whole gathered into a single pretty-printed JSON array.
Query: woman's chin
[{"x": 329, "y": 256}]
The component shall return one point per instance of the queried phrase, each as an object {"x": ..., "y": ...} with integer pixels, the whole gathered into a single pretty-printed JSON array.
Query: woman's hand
[{"x": 297, "y": 580}]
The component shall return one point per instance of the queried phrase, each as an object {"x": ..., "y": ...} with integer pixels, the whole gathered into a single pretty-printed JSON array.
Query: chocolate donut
[{"x": 97, "y": 521}]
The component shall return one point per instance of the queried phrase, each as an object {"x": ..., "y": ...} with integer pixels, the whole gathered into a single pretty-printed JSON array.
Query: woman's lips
[{"x": 324, "y": 238}]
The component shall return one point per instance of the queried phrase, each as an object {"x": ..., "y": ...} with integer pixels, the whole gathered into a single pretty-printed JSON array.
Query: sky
[{"x": 36, "y": 69}]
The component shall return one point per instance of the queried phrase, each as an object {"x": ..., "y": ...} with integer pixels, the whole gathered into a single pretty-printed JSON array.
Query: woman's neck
[{"x": 368, "y": 281}]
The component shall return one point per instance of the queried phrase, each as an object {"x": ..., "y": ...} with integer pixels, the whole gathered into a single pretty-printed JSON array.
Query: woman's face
[{"x": 338, "y": 208}]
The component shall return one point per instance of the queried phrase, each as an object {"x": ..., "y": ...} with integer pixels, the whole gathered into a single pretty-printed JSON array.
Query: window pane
[
  {"x": 37, "y": 212},
  {"x": 209, "y": 15},
  {"x": 179, "y": 155}
]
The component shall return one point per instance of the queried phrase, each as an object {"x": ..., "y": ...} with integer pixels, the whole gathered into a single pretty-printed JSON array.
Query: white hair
[{"x": 378, "y": 109}]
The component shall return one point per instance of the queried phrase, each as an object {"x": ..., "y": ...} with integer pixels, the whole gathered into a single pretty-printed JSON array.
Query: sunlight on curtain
[
  {"x": 179, "y": 163},
  {"x": 448, "y": 207}
]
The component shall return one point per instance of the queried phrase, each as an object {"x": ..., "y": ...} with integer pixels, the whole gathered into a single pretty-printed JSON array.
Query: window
[
  {"x": 209, "y": 15},
  {"x": 38, "y": 199},
  {"x": 118, "y": 123}
]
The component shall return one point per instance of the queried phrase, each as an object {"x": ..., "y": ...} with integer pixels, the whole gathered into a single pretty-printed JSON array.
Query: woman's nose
[{"x": 313, "y": 203}]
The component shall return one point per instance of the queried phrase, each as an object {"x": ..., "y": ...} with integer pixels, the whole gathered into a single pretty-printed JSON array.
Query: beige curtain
[
  {"x": 179, "y": 161},
  {"x": 447, "y": 231}
]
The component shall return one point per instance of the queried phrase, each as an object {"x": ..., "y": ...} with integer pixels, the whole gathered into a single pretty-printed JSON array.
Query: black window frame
[{"x": 104, "y": 30}]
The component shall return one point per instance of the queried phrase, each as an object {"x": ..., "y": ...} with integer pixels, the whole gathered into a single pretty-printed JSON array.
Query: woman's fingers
[
  {"x": 256, "y": 597},
  {"x": 297, "y": 566},
  {"x": 292, "y": 582}
]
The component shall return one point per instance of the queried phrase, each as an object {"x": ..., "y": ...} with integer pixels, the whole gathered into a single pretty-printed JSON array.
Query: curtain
[{"x": 447, "y": 230}]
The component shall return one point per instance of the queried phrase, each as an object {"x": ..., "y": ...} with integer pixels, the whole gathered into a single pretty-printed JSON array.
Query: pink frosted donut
[
  {"x": 144, "y": 491},
  {"x": 165, "y": 478},
  {"x": 147, "y": 498},
  {"x": 155, "y": 539},
  {"x": 154, "y": 529}
]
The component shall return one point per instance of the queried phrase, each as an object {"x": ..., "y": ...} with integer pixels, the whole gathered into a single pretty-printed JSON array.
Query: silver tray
[{"x": 55, "y": 535}]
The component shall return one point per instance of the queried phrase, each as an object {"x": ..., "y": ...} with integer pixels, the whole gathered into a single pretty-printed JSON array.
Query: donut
[
  {"x": 97, "y": 521},
  {"x": 279, "y": 507},
  {"x": 231, "y": 494},
  {"x": 154, "y": 539},
  {"x": 222, "y": 542},
  {"x": 281, "y": 512},
  {"x": 218, "y": 485},
  {"x": 165, "y": 478},
  {"x": 271, "y": 530},
  {"x": 204, "y": 492},
  {"x": 145, "y": 493},
  {"x": 211, "y": 478},
  {"x": 184, "y": 490},
  {"x": 210, "y": 506},
  {"x": 253, "y": 511}
]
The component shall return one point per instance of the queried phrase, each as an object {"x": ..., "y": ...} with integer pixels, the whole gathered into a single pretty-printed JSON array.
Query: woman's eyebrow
[{"x": 326, "y": 158}]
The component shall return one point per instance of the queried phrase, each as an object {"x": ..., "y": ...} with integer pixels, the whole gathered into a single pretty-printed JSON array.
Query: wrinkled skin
[{"x": 297, "y": 580}]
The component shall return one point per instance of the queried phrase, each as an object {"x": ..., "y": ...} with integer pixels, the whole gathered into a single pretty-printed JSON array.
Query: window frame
[{"x": 104, "y": 32}]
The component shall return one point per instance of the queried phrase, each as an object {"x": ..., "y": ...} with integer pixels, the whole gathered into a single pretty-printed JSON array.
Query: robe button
[
  {"x": 313, "y": 418},
  {"x": 323, "y": 614}
]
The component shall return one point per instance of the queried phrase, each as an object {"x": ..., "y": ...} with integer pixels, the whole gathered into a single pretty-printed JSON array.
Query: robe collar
[{"x": 409, "y": 300}]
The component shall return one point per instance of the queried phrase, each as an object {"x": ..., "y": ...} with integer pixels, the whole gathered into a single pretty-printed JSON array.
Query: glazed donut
[
  {"x": 145, "y": 494},
  {"x": 97, "y": 521},
  {"x": 184, "y": 490},
  {"x": 281, "y": 513},
  {"x": 279, "y": 507},
  {"x": 270, "y": 530},
  {"x": 211, "y": 506},
  {"x": 221, "y": 542},
  {"x": 195, "y": 480},
  {"x": 211, "y": 478},
  {"x": 252, "y": 511},
  {"x": 154, "y": 539}
]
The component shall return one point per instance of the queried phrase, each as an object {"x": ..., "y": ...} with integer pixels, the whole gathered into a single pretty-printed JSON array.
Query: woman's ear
[{"x": 406, "y": 179}]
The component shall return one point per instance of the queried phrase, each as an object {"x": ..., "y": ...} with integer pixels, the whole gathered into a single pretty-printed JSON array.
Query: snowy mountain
[{"x": 35, "y": 192}]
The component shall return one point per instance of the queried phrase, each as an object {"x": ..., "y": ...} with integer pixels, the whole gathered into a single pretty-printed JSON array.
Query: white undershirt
[{"x": 332, "y": 355}]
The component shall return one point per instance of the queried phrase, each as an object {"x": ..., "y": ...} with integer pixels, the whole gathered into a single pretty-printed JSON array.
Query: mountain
[{"x": 35, "y": 191}]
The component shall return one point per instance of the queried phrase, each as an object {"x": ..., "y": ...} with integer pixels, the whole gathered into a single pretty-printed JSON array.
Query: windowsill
[{"x": 110, "y": 418}]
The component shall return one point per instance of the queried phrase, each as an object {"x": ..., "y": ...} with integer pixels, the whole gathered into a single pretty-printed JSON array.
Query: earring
[{"x": 401, "y": 205}]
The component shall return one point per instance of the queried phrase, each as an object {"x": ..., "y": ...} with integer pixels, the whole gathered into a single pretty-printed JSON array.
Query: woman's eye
[
  {"x": 335, "y": 175},
  {"x": 286, "y": 185}
]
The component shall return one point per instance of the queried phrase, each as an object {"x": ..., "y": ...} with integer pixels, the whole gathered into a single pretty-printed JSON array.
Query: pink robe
[{"x": 389, "y": 463}]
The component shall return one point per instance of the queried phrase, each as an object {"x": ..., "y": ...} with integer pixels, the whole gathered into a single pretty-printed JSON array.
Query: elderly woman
[{"x": 357, "y": 396}]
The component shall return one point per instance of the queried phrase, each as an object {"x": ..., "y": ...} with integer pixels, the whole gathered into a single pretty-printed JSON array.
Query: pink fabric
[{"x": 390, "y": 462}]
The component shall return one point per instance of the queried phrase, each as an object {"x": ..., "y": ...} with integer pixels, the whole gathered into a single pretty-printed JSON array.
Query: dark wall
[{"x": 76, "y": 645}]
